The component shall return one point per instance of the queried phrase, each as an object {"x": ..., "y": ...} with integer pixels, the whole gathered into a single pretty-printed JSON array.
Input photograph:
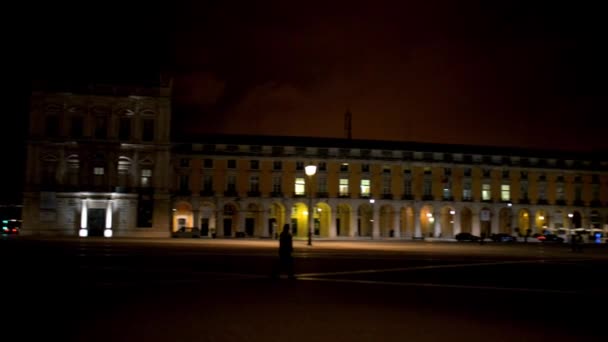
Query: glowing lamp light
[
  {"x": 372, "y": 201},
  {"x": 83, "y": 233},
  {"x": 570, "y": 215},
  {"x": 509, "y": 204},
  {"x": 452, "y": 212},
  {"x": 107, "y": 233},
  {"x": 541, "y": 217},
  {"x": 310, "y": 170},
  {"x": 429, "y": 215}
]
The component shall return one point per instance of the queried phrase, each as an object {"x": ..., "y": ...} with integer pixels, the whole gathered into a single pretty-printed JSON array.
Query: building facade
[
  {"x": 101, "y": 162},
  {"x": 98, "y": 161}
]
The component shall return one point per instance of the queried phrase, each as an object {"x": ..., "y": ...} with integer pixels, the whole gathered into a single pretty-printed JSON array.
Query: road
[{"x": 220, "y": 290}]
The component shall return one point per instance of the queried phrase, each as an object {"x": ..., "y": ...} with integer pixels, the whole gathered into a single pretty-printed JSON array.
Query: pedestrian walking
[{"x": 285, "y": 263}]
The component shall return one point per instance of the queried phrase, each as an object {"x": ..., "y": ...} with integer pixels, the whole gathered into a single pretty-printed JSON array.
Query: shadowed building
[{"x": 98, "y": 160}]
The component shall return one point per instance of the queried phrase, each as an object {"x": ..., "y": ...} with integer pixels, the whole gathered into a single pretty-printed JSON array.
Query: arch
[
  {"x": 426, "y": 221},
  {"x": 407, "y": 222},
  {"x": 343, "y": 220},
  {"x": 504, "y": 221},
  {"x": 577, "y": 219},
  {"x": 446, "y": 218},
  {"x": 485, "y": 221},
  {"x": 466, "y": 220},
  {"x": 523, "y": 221},
  {"x": 558, "y": 222},
  {"x": 276, "y": 219},
  {"x": 365, "y": 220},
  {"x": 229, "y": 219},
  {"x": 299, "y": 220},
  {"x": 322, "y": 219},
  {"x": 208, "y": 217},
  {"x": 595, "y": 219},
  {"x": 541, "y": 221},
  {"x": 182, "y": 215},
  {"x": 386, "y": 220},
  {"x": 253, "y": 220}
]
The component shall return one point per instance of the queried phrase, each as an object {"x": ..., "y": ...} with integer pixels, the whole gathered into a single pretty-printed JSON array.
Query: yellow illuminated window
[
  {"x": 365, "y": 187},
  {"x": 505, "y": 192},
  {"x": 300, "y": 186}
]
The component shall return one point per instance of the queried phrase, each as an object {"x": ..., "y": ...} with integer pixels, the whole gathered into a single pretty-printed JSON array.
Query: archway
[
  {"x": 541, "y": 222},
  {"x": 504, "y": 221},
  {"x": 229, "y": 219},
  {"x": 276, "y": 219},
  {"x": 299, "y": 220},
  {"x": 577, "y": 220},
  {"x": 343, "y": 224},
  {"x": 485, "y": 221},
  {"x": 208, "y": 219},
  {"x": 407, "y": 222},
  {"x": 466, "y": 220},
  {"x": 322, "y": 219},
  {"x": 426, "y": 221},
  {"x": 523, "y": 220},
  {"x": 253, "y": 217},
  {"x": 364, "y": 221},
  {"x": 182, "y": 216},
  {"x": 447, "y": 222},
  {"x": 386, "y": 221}
]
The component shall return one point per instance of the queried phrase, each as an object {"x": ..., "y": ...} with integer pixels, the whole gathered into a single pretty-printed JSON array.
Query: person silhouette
[{"x": 285, "y": 256}]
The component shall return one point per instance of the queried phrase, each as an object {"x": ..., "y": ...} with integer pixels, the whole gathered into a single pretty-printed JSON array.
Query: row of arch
[{"x": 367, "y": 220}]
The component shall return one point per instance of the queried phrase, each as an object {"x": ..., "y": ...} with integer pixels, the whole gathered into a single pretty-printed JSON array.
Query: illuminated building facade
[
  {"x": 98, "y": 161},
  {"x": 251, "y": 186},
  {"x": 101, "y": 162}
]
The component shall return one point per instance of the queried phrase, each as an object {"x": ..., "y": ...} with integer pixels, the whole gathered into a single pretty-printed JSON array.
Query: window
[
  {"x": 505, "y": 174},
  {"x": 124, "y": 129},
  {"x": 184, "y": 183},
  {"x": 299, "y": 165},
  {"x": 447, "y": 189},
  {"x": 207, "y": 183},
  {"x": 523, "y": 189},
  {"x": 184, "y": 162},
  {"x": 254, "y": 183},
  {"x": 322, "y": 166},
  {"x": 276, "y": 184},
  {"x": 76, "y": 127},
  {"x": 578, "y": 192},
  {"x": 344, "y": 167},
  {"x": 427, "y": 187},
  {"x": 427, "y": 170},
  {"x": 146, "y": 174},
  {"x": 407, "y": 186},
  {"x": 447, "y": 171},
  {"x": 101, "y": 127},
  {"x": 343, "y": 187},
  {"x": 467, "y": 172},
  {"x": 254, "y": 164},
  {"x": 467, "y": 194},
  {"x": 386, "y": 169},
  {"x": 231, "y": 163},
  {"x": 277, "y": 165},
  {"x": 486, "y": 193},
  {"x": 52, "y": 126},
  {"x": 322, "y": 184},
  {"x": 365, "y": 187},
  {"x": 595, "y": 192},
  {"x": 505, "y": 192},
  {"x": 208, "y": 163},
  {"x": 300, "y": 186},
  {"x": 231, "y": 185},
  {"x": 148, "y": 130},
  {"x": 98, "y": 171},
  {"x": 487, "y": 173},
  {"x": 386, "y": 184},
  {"x": 364, "y": 167},
  {"x": 559, "y": 191},
  {"x": 542, "y": 191}
]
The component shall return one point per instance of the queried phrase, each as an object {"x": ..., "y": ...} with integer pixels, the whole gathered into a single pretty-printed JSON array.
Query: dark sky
[{"x": 509, "y": 73}]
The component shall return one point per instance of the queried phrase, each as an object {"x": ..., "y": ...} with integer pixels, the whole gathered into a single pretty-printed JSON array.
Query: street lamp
[
  {"x": 372, "y": 201},
  {"x": 310, "y": 170}
]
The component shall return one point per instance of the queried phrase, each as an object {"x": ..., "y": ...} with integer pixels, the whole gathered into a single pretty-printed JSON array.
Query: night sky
[{"x": 505, "y": 73}]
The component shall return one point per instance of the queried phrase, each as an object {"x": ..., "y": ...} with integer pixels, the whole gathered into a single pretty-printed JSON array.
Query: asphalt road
[{"x": 220, "y": 290}]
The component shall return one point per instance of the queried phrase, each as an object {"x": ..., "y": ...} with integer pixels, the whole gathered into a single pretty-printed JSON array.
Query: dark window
[
  {"x": 232, "y": 148},
  {"x": 467, "y": 172},
  {"x": 322, "y": 166},
  {"x": 277, "y": 165},
  {"x": 344, "y": 167},
  {"x": 76, "y": 127},
  {"x": 148, "y": 130},
  {"x": 231, "y": 164},
  {"x": 208, "y": 163},
  {"x": 255, "y": 148},
  {"x": 505, "y": 173},
  {"x": 101, "y": 127},
  {"x": 124, "y": 129},
  {"x": 447, "y": 171},
  {"x": 52, "y": 126},
  {"x": 184, "y": 182},
  {"x": 364, "y": 167},
  {"x": 184, "y": 162},
  {"x": 254, "y": 164},
  {"x": 299, "y": 166},
  {"x": 277, "y": 149},
  {"x": 486, "y": 173}
]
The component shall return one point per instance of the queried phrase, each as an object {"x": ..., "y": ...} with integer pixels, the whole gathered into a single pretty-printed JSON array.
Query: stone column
[
  {"x": 457, "y": 222},
  {"x": 396, "y": 225},
  {"x": 196, "y": 218},
  {"x": 417, "y": 230},
  {"x": 352, "y": 223},
  {"x": 436, "y": 222},
  {"x": 265, "y": 230},
  {"x": 376, "y": 222},
  {"x": 476, "y": 227},
  {"x": 495, "y": 223}
]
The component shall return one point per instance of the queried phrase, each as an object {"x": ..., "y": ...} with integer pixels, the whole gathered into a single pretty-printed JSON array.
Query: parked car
[
  {"x": 187, "y": 232},
  {"x": 467, "y": 237},
  {"x": 550, "y": 238},
  {"x": 502, "y": 237}
]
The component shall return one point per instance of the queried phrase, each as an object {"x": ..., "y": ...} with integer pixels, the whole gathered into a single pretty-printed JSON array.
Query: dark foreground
[{"x": 143, "y": 290}]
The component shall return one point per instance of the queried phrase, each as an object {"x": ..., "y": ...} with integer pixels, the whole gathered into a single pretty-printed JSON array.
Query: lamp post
[
  {"x": 372, "y": 201},
  {"x": 310, "y": 170}
]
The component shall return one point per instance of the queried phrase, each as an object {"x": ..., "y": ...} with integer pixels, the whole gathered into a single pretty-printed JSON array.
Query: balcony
[
  {"x": 276, "y": 194},
  {"x": 344, "y": 195},
  {"x": 428, "y": 198},
  {"x": 324, "y": 194},
  {"x": 467, "y": 199},
  {"x": 560, "y": 202},
  {"x": 524, "y": 201},
  {"x": 596, "y": 203},
  {"x": 578, "y": 203},
  {"x": 206, "y": 193},
  {"x": 542, "y": 201},
  {"x": 253, "y": 193},
  {"x": 183, "y": 192},
  {"x": 365, "y": 196},
  {"x": 387, "y": 196},
  {"x": 448, "y": 198},
  {"x": 231, "y": 193},
  {"x": 407, "y": 197}
]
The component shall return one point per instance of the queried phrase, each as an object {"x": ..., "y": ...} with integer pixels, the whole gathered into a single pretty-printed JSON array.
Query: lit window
[
  {"x": 145, "y": 177},
  {"x": 466, "y": 191},
  {"x": 343, "y": 187},
  {"x": 505, "y": 192},
  {"x": 300, "y": 186},
  {"x": 486, "y": 193},
  {"x": 98, "y": 171},
  {"x": 365, "y": 187}
]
